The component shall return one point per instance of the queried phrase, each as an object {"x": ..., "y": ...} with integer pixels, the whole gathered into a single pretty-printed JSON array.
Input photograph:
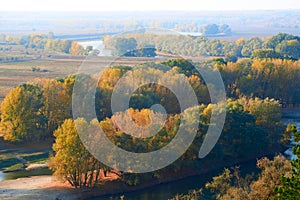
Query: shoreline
[
  {"x": 35, "y": 187},
  {"x": 49, "y": 187}
]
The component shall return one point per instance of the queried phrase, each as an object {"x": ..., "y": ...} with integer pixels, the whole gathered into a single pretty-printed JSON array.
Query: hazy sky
[{"x": 110, "y": 5}]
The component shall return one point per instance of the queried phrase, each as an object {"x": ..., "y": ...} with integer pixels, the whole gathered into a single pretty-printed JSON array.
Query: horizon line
[{"x": 139, "y": 10}]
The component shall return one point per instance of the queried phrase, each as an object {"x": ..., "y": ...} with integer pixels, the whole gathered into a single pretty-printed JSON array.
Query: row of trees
[
  {"x": 49, "y": 101},
  {"x": 242, "y": 137},
  {"x": 274, "y": 78},
  {"x": 128, "y": 47},
  {"x": 208, "y": 29},
  {"x": 279, "y": 46},
  {"x": 31, "y": 112},
  {"x": 46, "y": 42}
]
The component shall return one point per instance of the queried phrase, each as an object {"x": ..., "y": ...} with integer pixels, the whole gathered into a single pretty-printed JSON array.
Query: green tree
[
  {"x": 125, "y": 46},
  {"x": 272, "y": 42},
  {"x": 251, "y": 45},
  {"x": 210, "y": 29},
  {"x": 265, "y": 53},
  {"x": 289, "y": 48},
  {"x": 241, "y": 137}
]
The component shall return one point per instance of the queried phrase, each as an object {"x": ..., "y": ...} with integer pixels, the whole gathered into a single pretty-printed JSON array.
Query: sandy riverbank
[{"x": 36, "y": 187}]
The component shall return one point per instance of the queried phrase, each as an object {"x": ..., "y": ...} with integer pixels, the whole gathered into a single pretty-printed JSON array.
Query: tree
[
  {"x": 124, "y": 46},
  {"x": 192, "y": 195},
  {"x": 220, "y": 184},
  {"x": 210, "y": 29},
  {"x": 230, "y": 185},
  {"x": 265, "y": 53},
  {"x": 57, "y": 102},
  {"x": 241, "y": 137},
  {"x": 72, "y": 162},
  {"x": 22, "y": 117},
  {"x": 272, "y": 42},
  {"x": 146, "y": 51},
  {"x": 88, "y": 49},
  {"x": 289, "y": 48},
  {"x": 269, "y": 178},
  {"x": 64, "y": 46},
  {"x": 289, "y": 188},
  {"x": 251, "y": 45},
  {"x": 76, "y": 49},
  {"x": 267, "y": 113}
]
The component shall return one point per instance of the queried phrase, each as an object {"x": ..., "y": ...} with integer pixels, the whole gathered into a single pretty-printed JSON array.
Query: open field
[{"x": 13, "y": 74}]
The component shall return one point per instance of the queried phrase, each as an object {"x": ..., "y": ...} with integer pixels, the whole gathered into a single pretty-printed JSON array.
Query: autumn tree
[
  {"x": 192, "y": 195},
  {"x": 76, "y": 49},
  {"x": 231, "y": 185},
  {"x": 267, "y": 113},
  {"x": 21, "y": 113},
  {"x": 289, "y": 187},
  {"x": 57, "y": 102},
  {"x": 72, "y": 162}
]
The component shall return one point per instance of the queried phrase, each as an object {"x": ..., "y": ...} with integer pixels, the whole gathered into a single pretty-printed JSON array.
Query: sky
[{"x": 146, "y": 5}]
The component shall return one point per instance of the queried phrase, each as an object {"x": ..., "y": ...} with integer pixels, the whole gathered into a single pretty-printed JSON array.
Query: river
[
  {"x": 98, "y": 45},
  {"x": 168, "y": 190},
  {"x": 291, "y": 116}
]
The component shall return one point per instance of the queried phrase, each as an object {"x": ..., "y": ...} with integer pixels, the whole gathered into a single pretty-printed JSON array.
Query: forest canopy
[
  {"x": 253, "y": 122},
  {"x": 284, "y": 46}
]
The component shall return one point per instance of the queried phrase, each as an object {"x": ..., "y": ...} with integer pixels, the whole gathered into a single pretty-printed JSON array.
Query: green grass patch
[
  {"x": 36, "y": 153},
  {"x": 35, "y": 157},
  {"x": 13, "y": 168},
  {"x": 9, "y": 161}
]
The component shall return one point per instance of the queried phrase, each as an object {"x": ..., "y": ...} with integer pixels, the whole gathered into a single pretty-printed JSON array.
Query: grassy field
[{"x": 15, "y": 73}]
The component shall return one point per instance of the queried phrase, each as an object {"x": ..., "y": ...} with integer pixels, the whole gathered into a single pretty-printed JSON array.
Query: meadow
[{"x": 13, "y": 74}]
